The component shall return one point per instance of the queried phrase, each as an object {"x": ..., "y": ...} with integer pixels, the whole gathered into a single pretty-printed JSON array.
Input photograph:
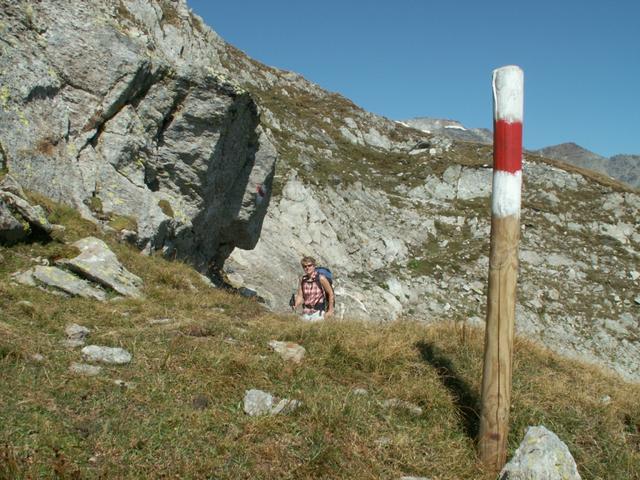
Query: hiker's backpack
[{"x": 325, "y": 272}]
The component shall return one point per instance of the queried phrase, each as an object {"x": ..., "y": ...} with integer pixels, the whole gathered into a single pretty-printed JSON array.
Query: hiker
[{"x": 315, "y": 293}]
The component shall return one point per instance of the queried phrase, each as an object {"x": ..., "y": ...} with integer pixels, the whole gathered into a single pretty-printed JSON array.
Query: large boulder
[{"x": 122, "y": 109}]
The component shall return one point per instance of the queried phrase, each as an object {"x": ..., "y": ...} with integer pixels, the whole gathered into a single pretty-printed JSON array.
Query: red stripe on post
[{"x": 507, "y": 146}]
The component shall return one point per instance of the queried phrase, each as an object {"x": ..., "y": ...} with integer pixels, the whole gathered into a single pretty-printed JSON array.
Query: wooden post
[{"x": 503, "y": 265}]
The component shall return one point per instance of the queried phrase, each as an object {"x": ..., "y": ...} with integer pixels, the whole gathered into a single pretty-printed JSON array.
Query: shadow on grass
[{"x": 466, "y": 400}]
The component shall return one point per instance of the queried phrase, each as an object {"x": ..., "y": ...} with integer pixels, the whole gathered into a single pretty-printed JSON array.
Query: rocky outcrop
[
  {"x": 99, "y": 264},
  {"x": 122, "y": 109},
  {"x": 89, "y": 273},
  {"x": 18, "y": 218}
]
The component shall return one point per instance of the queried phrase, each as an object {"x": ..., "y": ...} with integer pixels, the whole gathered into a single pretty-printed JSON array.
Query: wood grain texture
[{"x": 501, "y": 306}]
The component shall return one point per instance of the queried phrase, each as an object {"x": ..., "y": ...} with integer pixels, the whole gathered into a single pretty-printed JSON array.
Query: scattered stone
[
  {"x": 288, "y": 350},
  {"x": 37, "y": 357},
  {"x": 76, "y": 335},
  {"x": 24, "y": 278},
  {"x": 605, "y": 400},
  {"x": 60, "y": 280},
  {"x": 161, "y": 321},
  {"x": 99, "y": 264},
  {"x": 360, "y": 391},
  {"x": 637, "y": 299},
  {"x": 85, "y": 369},
  {"x": 111, "y": 355},
  {"x": 543, "y": 456},
  {"x": 401, "y": 404},
  {"x": 258, "y": 403},
  {"x": 383, "y": 442},
  {"x": 123, "y": 384}
]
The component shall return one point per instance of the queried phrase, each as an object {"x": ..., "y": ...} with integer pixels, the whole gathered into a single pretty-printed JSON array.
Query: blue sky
[{"x": 411, "y": 58}]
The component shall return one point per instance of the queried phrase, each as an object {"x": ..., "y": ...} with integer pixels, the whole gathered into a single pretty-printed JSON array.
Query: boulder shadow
[{"x": 466, "y": 400}]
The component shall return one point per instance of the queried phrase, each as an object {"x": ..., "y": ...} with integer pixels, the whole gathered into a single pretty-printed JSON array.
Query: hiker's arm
[
  {"x": 299, "y": 298},
  {"x": 328, "y": 291}
]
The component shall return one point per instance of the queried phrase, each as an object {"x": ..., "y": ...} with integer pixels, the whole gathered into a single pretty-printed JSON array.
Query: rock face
[{"x": 121, "y": 109}]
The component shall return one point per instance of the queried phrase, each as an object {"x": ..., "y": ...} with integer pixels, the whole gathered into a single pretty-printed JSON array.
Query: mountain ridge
[{"x": 623, "y": 167}]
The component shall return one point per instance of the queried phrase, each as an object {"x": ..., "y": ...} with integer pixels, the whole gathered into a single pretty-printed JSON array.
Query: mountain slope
[
  {"x": 211, "y": 149},
  {"x": 402, "y": 218},
  {"x": 378, "y": 401}
]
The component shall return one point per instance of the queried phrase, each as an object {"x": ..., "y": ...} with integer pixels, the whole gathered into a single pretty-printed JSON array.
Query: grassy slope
[{"x": 182, "y": 416}]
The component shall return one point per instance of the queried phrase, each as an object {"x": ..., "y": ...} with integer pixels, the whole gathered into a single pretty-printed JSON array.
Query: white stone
[
  {"x": 110, "y": 355},
  {"x": 259, "y": 403},
  {"x": 288, "y": 350},
  {"x": 541, "y": 456},
  {"x": 84, "y": 369}
]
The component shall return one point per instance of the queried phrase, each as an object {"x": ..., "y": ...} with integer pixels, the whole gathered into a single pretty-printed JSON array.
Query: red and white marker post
[{"x": 508, "y": 89}]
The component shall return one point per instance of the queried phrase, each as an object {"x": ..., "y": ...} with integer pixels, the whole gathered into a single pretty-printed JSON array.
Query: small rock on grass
[
  {"x": 288, "y": 350},
  {"x": 76, "y": 335},
  {"x": 85, "y": 369},
  {"x": 161, "y": 321},
  {"x": 111, "y": 355},
  {"x": 258, "y": 403}
]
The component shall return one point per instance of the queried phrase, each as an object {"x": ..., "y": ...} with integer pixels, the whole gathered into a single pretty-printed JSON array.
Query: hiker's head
[{"x": 308, "y": 263}]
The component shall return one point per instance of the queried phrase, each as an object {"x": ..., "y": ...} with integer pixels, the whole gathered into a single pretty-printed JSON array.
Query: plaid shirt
[{"x": 312, "y": 293}]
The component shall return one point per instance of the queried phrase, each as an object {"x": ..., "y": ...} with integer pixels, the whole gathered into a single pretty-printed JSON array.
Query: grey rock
[
  {"x": 76, "y": 335},
  {"x": 124, "y": 384},
  {"x": 541, "y": 456},
  {"x": 99, "y": 264},
  {"x": 85, "y": 369},
  {"x": 259, "y": 403},
  {"x": 60, "y": 280},
  {"x": 152, "y": 127},
  {"x": 34, "y": 215},
  {"x": 11, "y": 229},
  {"x": 288, "y": 350},
  {"x": 110, "y": 355}
]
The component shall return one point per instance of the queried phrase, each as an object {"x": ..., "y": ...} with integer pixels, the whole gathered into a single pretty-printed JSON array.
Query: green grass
[{"x": 182, "y": 414}]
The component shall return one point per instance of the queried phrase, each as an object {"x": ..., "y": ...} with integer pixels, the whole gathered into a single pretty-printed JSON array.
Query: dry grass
[{"x": 181, "y": 414}]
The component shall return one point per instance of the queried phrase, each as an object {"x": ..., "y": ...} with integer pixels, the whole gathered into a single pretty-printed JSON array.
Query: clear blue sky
[{"x": 411, "y": 58}]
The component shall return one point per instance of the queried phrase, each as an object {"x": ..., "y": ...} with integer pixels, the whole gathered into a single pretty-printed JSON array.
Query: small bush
[{"x": 165, "y": 206}]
